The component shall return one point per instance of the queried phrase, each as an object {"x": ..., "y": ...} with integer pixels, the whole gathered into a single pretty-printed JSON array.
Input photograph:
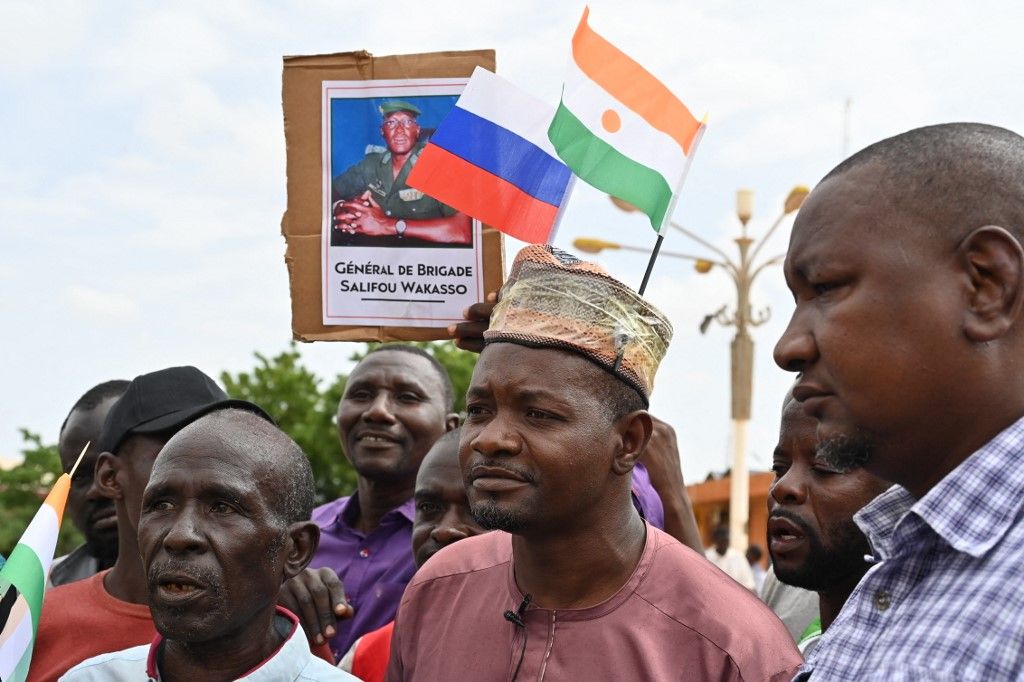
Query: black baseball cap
[{"x": 168, "y": 399}]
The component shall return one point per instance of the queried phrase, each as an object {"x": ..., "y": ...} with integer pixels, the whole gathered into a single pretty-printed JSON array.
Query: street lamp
[{"x": 743, "y": 272}]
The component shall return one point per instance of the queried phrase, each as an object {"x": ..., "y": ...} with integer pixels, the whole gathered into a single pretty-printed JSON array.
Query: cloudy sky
[{"x": 142, "y": 166}]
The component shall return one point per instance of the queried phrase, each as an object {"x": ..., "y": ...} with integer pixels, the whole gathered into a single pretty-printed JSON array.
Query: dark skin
[
  {"x": 93, "y": 514},
  {"x": 123, "y": 478},
  {"x": 721, "y": 540},
  {"x": 813, "y": 540},
  {"x": 443, "y": 515},
  {"x": 216, "y": 551},
  {"x": 392, "y": 412},
  {"x": 537, "y": 444},
  {"x": 903, "y": 336},
  {"x": 661, "y": 456},
  {"x": 401, "y": 131}
]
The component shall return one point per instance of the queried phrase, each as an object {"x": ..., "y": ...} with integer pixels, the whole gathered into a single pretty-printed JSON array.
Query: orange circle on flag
[{"x": 611, "y": 121}]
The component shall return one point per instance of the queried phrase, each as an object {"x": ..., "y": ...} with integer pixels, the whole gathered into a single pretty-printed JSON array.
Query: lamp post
[{"x": 743, "y": 271}]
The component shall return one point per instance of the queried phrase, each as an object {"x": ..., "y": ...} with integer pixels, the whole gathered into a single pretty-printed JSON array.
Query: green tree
[
  {"x": 22, "y": 490},
  {"x": 291, "y": 394}
]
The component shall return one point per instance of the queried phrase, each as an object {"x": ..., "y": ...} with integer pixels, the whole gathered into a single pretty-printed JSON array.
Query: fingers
[
  {"x": 317, "y": 597},
  {"x": 469, "y": 335}
]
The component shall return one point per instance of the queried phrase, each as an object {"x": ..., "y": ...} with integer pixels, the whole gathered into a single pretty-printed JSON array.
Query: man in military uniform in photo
[{"x": 373, "y": 205}]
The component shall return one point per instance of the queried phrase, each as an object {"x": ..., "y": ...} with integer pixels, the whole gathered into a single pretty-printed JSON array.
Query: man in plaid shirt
[{"x": 908, "y": 274}]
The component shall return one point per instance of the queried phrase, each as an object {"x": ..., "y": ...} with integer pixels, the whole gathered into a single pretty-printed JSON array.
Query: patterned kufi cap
[{"x": 554, "y": 300}]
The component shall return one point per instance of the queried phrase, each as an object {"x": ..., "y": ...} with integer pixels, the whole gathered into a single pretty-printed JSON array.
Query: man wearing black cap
[
  {"x": 110, "y": 610},
  {"x": 372, "y": 199}
]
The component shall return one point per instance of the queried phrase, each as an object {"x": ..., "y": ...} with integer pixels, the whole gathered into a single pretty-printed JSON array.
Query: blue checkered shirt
[{"x": 946, "y": 599}]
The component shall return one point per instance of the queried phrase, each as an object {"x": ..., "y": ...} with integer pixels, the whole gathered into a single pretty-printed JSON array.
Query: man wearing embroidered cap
[
  {"x": 574, "y": 585},
  {"x": 372, "y": 199}
]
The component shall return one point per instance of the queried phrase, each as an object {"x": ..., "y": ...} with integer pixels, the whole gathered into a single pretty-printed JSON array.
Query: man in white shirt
[{"x": 730, "y": 560}]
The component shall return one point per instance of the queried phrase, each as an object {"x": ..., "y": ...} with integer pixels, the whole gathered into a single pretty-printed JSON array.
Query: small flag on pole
[
  {"x": 23, "y": 581},
  {"x": 490, "y": 158},
  {"x": 620, "y": 129}
]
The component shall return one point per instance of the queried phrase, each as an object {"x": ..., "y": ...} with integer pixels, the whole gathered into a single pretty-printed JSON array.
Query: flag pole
[
  {"x": 79, "y": 460},
  {"x": 561, "y": 209},
  {"x": 672, "y": 205}
]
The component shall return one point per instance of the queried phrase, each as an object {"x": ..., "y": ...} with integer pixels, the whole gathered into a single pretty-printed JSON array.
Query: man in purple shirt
[{"x": 397, "y": 402}]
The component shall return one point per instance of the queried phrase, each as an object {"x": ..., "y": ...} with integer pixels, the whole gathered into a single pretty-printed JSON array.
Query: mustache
[
  {"x": 200, "y": 575},
  {"x": 783, "y": 513},
  {"x": 501, "y": 464}
]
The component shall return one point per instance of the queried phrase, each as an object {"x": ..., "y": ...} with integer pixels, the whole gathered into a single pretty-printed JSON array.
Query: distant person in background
[
  {"x": 754, "y": 555},
  {"x": 225, "y": 520},
  {"x": 729, "y": 560},
  {"x": 93, "y": 514}
]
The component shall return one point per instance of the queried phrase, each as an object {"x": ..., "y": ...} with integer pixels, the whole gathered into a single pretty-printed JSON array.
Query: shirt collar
[
  {"x": 971, "y": 508},
  {"x": 284, "y": 663},
  {"x": 350, "y": 510}
]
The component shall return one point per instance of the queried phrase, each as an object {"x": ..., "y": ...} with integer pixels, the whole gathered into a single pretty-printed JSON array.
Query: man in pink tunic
[{"x": 574, "y": 585}]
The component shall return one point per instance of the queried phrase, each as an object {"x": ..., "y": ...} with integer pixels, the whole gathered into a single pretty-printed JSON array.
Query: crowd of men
[{"x": 547, "y": 535}]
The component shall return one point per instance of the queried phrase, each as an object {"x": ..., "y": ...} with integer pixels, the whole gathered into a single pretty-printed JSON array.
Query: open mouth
[
  {"x": 783, "y": 534},
  {"x": 178, "y": 588}
]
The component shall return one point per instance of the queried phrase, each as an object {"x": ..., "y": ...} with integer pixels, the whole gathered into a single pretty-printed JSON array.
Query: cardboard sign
[{"x": 370, "y": 259}]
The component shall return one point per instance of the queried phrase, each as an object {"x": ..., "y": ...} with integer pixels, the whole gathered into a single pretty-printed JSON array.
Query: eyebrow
[{"x": 424, "y": 493}]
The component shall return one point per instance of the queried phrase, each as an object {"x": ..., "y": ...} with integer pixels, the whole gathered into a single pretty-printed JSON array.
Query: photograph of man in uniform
[{"x": 371, "y": 204}]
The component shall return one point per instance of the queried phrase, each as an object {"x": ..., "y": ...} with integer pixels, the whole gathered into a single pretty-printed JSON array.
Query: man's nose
[
  {"x": 497, "y": 438},
  {"x": 790, "y": 488},
  {"x": 185, "y": 533},
  {"x": 449, "y": 530},
  {"x": 796, "y": 349},
  {"x": 380, "y": 408}
]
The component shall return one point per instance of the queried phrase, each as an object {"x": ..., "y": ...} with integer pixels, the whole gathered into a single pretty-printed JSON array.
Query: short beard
[
  {"x": 492, "y": 517},
  {"x": 844, "y": 453},
  {"x": 826, "y": 567}
]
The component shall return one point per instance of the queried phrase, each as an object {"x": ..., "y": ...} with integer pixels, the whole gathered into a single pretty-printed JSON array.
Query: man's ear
[
  {"x": 106, "y": 483},
  {"x": 451, "y": 422},
  {"x": 634, "y": 431},
  {"x": 994, "y": 262},
  {"x": 305, "y": 537}
]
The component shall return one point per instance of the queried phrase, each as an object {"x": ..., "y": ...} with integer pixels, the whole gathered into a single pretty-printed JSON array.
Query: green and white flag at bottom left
[{"x": 23, "y": 582}]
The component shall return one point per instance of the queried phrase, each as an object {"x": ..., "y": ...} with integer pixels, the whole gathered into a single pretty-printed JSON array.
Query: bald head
[
  {"x": 952, "y": 177},
  {"x": 279, "y": 466}
]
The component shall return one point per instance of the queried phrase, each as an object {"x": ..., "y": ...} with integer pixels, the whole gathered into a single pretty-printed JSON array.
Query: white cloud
[{"x": 91, "y": 303}]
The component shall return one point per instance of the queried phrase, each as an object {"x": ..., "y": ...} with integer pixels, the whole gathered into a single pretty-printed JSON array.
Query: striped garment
[
  {"x": 620, "y": 129},
  {"x": 945, "y": 600}
]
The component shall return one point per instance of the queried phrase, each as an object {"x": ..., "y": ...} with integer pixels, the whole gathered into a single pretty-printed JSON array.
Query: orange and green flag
[
  {"x": 620, "y": 129},
  {"x": 23, "y": 581}
]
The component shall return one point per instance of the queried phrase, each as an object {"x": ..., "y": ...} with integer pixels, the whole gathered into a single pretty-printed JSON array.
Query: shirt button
[
  {"x": 882, "y": 600},
  {"x": 364, "y": 552},
  {"x": 388, "y": 212}
]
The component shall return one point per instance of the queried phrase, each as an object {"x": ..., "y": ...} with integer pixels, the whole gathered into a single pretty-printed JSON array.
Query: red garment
[
  {"x": 81, "y": 620},
  {"x": 372, "y": 653}
]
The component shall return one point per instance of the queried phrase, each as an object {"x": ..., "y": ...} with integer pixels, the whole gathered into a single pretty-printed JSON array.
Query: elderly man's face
[
  {"x": 391, "y": 413},
  {"x": 211, "y": 545},
  {"x": 877, "y": 331},
  {"x": 400, "y": 131},
  {"x": 537, "y": 446},
  {"x": 813, "y": 540},
  {"x": 442, "y": 510}
]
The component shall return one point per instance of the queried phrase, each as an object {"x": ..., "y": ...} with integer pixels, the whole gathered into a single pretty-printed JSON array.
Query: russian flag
[{"x": 491, "y": 158}]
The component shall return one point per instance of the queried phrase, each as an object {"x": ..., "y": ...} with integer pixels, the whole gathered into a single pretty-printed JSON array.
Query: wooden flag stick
[{"x": 79, "y": 460}]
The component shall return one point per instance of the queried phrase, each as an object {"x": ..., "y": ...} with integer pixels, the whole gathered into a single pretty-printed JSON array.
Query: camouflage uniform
[{"x": 395, "y": 198}]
